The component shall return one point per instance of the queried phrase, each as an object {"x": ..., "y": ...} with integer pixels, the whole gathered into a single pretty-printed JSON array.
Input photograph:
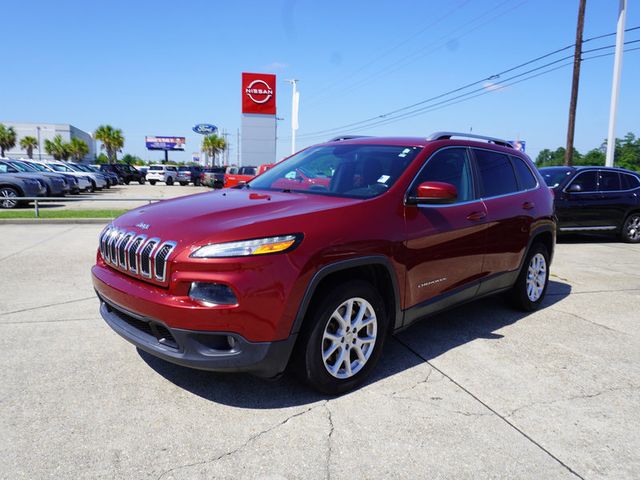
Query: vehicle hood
[{"x": 228, "y": 215}]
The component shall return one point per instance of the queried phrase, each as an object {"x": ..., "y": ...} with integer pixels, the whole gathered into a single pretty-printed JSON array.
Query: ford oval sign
[{"x": 205, "y": 129}]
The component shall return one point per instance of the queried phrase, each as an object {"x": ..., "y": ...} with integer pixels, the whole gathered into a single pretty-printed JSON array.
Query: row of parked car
[
  {"x": 30, "y": 178},
  {"x": 214, "y": 177}
]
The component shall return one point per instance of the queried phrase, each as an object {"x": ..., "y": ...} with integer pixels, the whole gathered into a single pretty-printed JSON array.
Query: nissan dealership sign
[{"x": 259, "y": 93}]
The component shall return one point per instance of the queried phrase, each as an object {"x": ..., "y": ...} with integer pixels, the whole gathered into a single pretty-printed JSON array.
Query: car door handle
[
  {"x": 475, "y": 216},
  {"x": 528, "y": 205}
]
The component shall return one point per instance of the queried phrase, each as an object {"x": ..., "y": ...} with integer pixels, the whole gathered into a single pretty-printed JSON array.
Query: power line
[{"x": 469, "y": 85}]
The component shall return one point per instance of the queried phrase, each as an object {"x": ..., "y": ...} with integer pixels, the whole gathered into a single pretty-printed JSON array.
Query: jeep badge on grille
[{"x": 143, "y": 226}]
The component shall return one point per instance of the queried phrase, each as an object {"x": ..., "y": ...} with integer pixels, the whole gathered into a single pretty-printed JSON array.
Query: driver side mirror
[
  {"x": 574, "y": 188},
  {"x": 434, "y": 193}
]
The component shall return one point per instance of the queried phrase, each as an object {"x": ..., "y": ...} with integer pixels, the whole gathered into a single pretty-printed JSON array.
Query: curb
[{"x": 53, "y": 221}]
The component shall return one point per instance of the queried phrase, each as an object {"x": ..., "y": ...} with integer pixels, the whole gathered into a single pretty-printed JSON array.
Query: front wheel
[
  {"x": 169, "y": 181},
  {"x": 184, "y": 184},
  {"x": 343, "y": 340},
  {"x": 152, "y": 182},
  {"x": 8, "y": 197},
  {"x": 141, "y": 181},
  {"x": 631, "y": 229},
  {"x": 531, "y": 286}
]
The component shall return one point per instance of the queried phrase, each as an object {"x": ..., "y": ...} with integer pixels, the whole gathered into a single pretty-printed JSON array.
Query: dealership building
[{"x": 46, "y": 131}]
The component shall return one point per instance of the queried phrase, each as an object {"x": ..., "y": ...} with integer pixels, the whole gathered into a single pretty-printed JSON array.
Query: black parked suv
[
  {"x": 125, "y": 171},
  {"x": 589, "y": 199}
]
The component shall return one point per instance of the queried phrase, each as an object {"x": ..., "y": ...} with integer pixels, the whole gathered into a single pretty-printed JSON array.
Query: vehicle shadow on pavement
[
  {"x": 434, "y": 336},
  {"x": 593, "y": 237}
]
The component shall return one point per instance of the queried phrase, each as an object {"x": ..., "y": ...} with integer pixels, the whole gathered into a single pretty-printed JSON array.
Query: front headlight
[{"x": 259, "y": 246}]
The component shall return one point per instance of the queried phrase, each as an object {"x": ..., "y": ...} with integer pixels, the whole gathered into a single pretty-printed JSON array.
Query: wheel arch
[
  {"x": 15, "y": 187},
  {"x": 377, "y": 270}
]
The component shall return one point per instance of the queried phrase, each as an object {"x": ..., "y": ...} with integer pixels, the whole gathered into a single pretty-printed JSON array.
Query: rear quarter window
[
  {"x": 525, "y": 176},
  {"x": 629, "y": 181}
]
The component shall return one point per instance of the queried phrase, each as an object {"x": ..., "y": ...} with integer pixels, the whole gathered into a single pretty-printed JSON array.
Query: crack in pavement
[
  {"x": 329, "y": 440},
  {"x": 36, "y": 322},
  {"x": 492, "y": 410},
  {"x": 48, "y": 305},
  {"x": 572, "y": 398},
  {"x": 246, "y": 443},
  {"x": 586, "y": 320},
  {"x": 37, "y": 244},
  {"x": 408, "y": 389}
]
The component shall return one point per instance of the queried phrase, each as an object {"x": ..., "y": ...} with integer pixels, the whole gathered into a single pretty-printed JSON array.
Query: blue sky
[{"x": 156, "y": 68}]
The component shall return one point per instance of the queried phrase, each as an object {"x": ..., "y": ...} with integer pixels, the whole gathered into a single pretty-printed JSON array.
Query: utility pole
[
  {"x": 577, "y": 59},
  {"x": 615, "y": 87},
  {"x": 225, "y": 153},
  {"x": 295, "y": 96}
]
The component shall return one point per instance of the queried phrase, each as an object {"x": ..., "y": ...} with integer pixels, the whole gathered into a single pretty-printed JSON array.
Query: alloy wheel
[
  {"x": 6, "y": 198},
  {"x": 349, "y": 338},
  {"x": 536, "y": 277},
  {"x": 633, "y": 228}
]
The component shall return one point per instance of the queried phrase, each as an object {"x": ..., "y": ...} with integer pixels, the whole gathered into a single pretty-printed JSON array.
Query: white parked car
[{"x": 162, "y": 173}]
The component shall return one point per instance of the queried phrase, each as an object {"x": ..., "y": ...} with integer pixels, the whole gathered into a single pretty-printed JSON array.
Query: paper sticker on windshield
[
  {"x": 404, "y": 152},
  {"x": 384, "y": 179}
]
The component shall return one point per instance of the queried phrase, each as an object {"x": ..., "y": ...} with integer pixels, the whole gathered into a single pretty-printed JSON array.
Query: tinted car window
[
  {"x": 629, "y": 181},
  {"x": 554, "y": 176},
  {"x": 525, "y": 177},
  {"x": 496, "y": 173},
  {"x": 450, "y": 165},
  {"x": 608, "y": 181},
  {"x": 588, "y": 181}
]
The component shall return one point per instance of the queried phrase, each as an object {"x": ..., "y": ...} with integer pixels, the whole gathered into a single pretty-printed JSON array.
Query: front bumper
[{"x": 204, "y": 350}]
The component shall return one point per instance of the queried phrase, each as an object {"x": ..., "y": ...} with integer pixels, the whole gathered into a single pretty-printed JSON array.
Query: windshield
[
  {"x": 81, "y": 168},
  {"x": 36, "y": 166},
  {"x": 156, "y": 167},
  {"x": 19, "y": 166},
  {"x": 60, "y": 168},
  {"x": 554, "y": 176},
  {"x": 358, "y": 171}
]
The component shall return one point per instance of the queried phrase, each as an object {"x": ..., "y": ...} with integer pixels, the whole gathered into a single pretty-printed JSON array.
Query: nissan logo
[{"x": 259, "y": 91}]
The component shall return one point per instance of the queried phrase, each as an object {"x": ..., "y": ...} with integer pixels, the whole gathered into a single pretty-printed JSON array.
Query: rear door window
[
  {"x": 608, "y": 181},
  {"x": 496, "y": 173}
]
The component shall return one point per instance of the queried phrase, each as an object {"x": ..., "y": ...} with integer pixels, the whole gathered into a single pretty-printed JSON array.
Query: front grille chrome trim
[
  {"x": 134, "y": 254},
  {"x": 172, "y": 245},
  {"x": 146, "y": 262}
]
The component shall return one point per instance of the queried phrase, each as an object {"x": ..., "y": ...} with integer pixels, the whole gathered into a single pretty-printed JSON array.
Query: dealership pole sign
[
  {"x": 259, "y": 93},
  {"x": 205, "y": 128}
]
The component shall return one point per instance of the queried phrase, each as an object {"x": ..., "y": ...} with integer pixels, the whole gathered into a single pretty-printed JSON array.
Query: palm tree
[
  {"x": 7, "y": 138},
  {"x": 213, "y": 145},
  {"x": 111, "y": 139},
  {"x": 57, "y": 148},
  {"x": 29, "y": 143},
  {"x": 77, "y": 149}
]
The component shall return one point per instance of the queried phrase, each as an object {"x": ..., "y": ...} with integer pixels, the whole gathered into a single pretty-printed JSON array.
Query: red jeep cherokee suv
[{"x": 258, "y": 277}]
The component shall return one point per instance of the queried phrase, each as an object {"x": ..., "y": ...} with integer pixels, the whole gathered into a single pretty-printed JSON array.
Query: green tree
[
  {"x": 593, "y": 157},
  {"x": 213, "y": 145},
  {"x": 102, "y": 158},
  {"x": 112, "y": 140},
  {"x": 132, "y": 159},
  {"x": 57, "y": 148},
  {"x": 77, "y": 149},
  {"x": 29, "y": 144},
  {"x": 7, "y": 138}
]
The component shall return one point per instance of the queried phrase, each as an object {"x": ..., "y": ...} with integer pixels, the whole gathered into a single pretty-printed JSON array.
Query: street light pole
[
  {"x": 294, "y": 113},
  {"x": 39, "y": 145},
  {"x": 615, "y": 87}
]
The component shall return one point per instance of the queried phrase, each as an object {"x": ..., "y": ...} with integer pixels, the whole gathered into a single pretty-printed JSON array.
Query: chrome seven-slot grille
[{"x": 136, "y": 254}]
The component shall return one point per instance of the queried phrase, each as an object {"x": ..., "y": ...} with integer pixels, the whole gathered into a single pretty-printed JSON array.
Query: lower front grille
[{"x": 154, "y": 329}]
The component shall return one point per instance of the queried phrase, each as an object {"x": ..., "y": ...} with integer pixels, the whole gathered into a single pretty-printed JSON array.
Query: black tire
[
  {"x": 169, "y": 181},
  {"x": 196, "y": 182},
  {"x": 519, "y": 295},
  {"x": 6, "y": 197},
  {"x": 152, "y": 182},
  {"x": 308, "y": 356},
  {"x": 141, "y": 181},
  {"x": 92, "y": 187},
  {"x": 184, "y": 184},
  {"x": 127, "y": 182},
  {"x": 631, "y": 228}
]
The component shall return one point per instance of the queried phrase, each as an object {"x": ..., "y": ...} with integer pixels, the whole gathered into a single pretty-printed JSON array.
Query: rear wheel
[
  {"x": 169, "y": 181},
  {"x": 343, "y": 340},
  {"x": 631, "y": 229},
  {"x": 141, "y": 181},
  {"x": 531, "y": 286},
  {"x": 184, "y": 184},
  {"x": 8, "y": 197},
  {"x": 152, "y": 182}
]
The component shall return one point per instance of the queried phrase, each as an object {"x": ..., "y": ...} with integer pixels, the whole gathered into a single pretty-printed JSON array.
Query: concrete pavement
[{"x": 479, "y": 392}]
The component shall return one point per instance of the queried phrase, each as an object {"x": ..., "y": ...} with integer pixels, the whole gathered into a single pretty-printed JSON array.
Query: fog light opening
[
  {"x": 212, "y": 294},
  {"x": 231, "y": 341}
]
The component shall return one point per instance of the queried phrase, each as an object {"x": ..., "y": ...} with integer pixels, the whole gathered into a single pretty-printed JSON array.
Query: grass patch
[{"x": 47, "y": 213}]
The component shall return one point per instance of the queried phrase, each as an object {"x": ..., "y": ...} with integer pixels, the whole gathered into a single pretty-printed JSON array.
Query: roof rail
[
  {"x": 346, "y": 137},
  {"x": 447, "y": 135}
]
